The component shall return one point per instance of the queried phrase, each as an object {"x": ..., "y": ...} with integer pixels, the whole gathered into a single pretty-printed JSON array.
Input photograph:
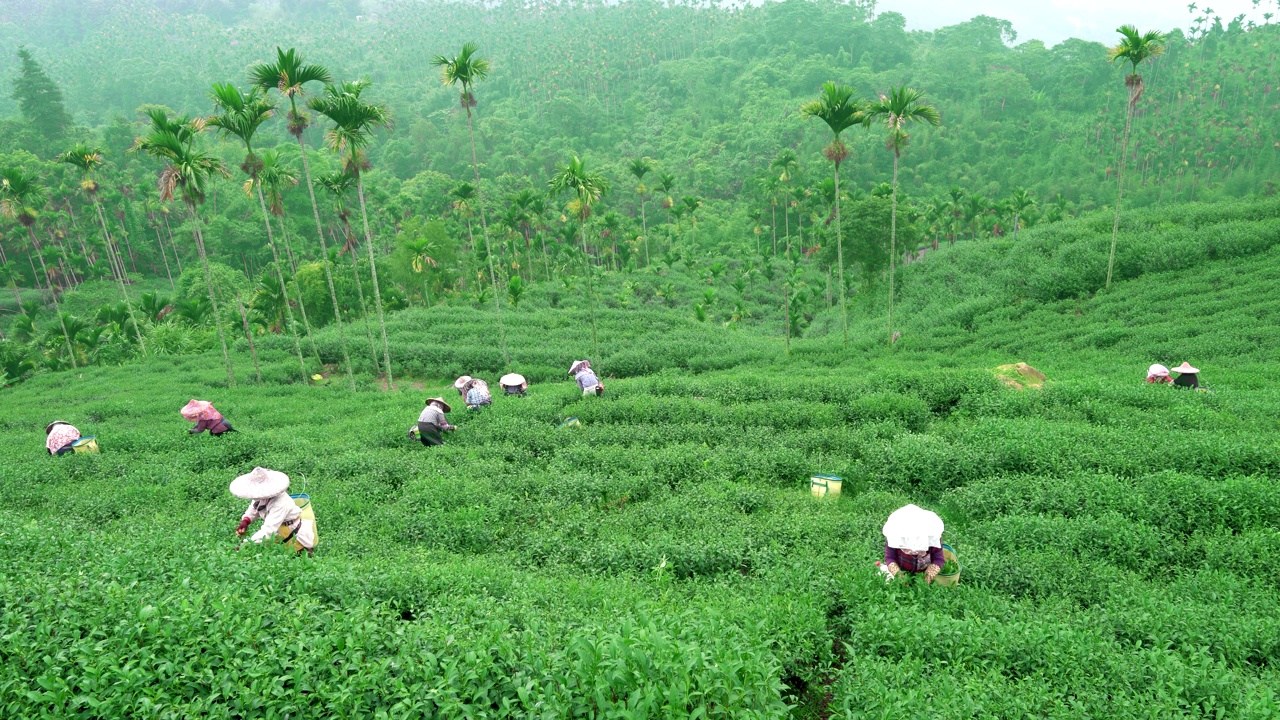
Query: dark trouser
[{"x": 429, "y": 434}]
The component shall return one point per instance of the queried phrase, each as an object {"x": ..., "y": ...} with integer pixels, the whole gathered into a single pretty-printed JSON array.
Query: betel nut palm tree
[
  {"x": 289, "y": 75},
  {"x": 354, "y": 122},
  {"x": 463, "y": 71},
  {"x": 898, "y": 110},
  {"x": 275, "y": 177},
  {"x": 587, "y": 188},
  {"x": 21, "y": 199},
  {"x": 186, "y": 173},
  {"x": 338, "y": 184},
  {"x": 88, "y": 160},
  {"x": 1134, "y": 48},
  {"x": 1019, "y": 203},
  {"x": 785, "y": 164},
  {"x": 638, "y": 168},
  {"x": 239, "y": 115},
  {"x": 837, "y": 107}
]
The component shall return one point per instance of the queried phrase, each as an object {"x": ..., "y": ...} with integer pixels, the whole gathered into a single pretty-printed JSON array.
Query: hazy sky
[{"x": 1055, "y": 20}]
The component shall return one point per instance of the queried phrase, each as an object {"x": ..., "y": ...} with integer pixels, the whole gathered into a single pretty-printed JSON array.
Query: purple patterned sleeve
[{"x": 936, "y": 557}]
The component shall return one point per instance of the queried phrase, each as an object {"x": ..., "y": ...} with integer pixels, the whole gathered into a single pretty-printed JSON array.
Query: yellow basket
[
  {"x": 304, "y": 502},
  {"x": 85, "y": 445},
  {"x": 825, "y": 485},
  {"x": 949, "y": 555}
]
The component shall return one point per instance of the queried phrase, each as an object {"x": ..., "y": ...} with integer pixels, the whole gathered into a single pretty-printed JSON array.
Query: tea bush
[{"x": 664, "y": 558}]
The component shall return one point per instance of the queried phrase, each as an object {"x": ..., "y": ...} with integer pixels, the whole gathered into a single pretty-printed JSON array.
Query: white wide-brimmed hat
[
  {"x": 440, "y": 401},
  {"x": 913, "y": 528},
  {"x": 198, "y": 410},
  {"x": 1186, "y": 368},
  {"x": 461, "y": 382},
  {"x": 578, "y": 365},
  {"x": 259, "y": 484},
  {"x": 1157, "y": 370},
  {"x": 511, "y": 380}
]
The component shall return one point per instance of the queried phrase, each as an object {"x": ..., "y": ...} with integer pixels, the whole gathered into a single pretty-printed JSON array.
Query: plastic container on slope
[{"x": 825, "y": 485}]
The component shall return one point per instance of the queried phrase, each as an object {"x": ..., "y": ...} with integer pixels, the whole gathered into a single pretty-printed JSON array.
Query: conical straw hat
[{"x": 261, "y": 483}]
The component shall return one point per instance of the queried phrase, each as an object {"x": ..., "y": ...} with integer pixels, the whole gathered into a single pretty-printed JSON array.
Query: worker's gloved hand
[
  {"x": 893, "y": 570},
  {"x": 244, "y": 524},
  {"x": 931, "y": 572}
]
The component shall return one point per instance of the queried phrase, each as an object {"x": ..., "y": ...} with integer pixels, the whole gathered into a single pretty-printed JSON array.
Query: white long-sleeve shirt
[{"x": 274, "y": 511}]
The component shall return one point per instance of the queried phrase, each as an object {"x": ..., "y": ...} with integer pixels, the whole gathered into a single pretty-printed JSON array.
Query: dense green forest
[{"x": 687, "y": 115}]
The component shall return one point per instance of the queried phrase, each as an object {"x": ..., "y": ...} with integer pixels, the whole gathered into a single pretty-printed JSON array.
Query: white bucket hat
[
  {"x": 1157, "y": 370},
  {"x": 511, "y": 380},
  {"x": 259, "y": 484},
  {"x": 578, "y": 365},
  {"x": 913, "y": 528},
  {"x": 461, "y": 382}
]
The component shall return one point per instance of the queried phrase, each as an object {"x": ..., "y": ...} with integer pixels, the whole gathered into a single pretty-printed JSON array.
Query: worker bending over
[
  {"x": 268, "y": 491},
  {"x": 206, "y": 417},
  {"x": 586, "y": 378},
  {"x": 432, "y": 423}
]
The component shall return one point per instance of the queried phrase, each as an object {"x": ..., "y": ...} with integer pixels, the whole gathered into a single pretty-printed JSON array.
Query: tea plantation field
[{"x": 1120, "y": 541}]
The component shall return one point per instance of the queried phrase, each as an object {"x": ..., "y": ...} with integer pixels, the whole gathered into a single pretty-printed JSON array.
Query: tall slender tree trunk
[
  {"x": 1124, "y": 160},
  {"x": 484, "y": 229},
  {"x": 377, "y": 293},
  {"x": 248, "y": 334},
  {"x": 53, "y": 292},
  {"x": 172, "y": 287},
  {"x": 773, "y": 224},
  {"x": 302, "y": 305},
  {"x": 786, "y": 223},
  {"x": 324, "y": 258},
  {"x": 546, "y": 260},
  {"x": 591, "y": 293},
  {"x": 177, "y": 257},
  {"x": 106, "y": 234},
  {"x": 284, "y": 293},
  {"x": 893, "y": 242},
  {"x": 844, "y": 312},
  {"x": 35, "y": 274},
  {"x": 213, "y": 296},
  {"x": 644, "y": 228},
  {"x": 786, "y": 311},
  {"x": 364, "y": 308}
]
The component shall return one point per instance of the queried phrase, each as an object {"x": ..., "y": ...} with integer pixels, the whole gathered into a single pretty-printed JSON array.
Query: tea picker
[
  {"x": 1188, "y": 377},
  {"x": 288, "y": 516},
  {"x": 586, "y": 378},
  {"x": 206, "y": 417},
  {"x": 1158, "y": 375},
  {"x": 913, "y": 543},
  {"x": 62, "y": 438},
  {"x": 474, "y": 391},
  {"x": 513, "y": 384},
  {"x": 432, "y": 423}
]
